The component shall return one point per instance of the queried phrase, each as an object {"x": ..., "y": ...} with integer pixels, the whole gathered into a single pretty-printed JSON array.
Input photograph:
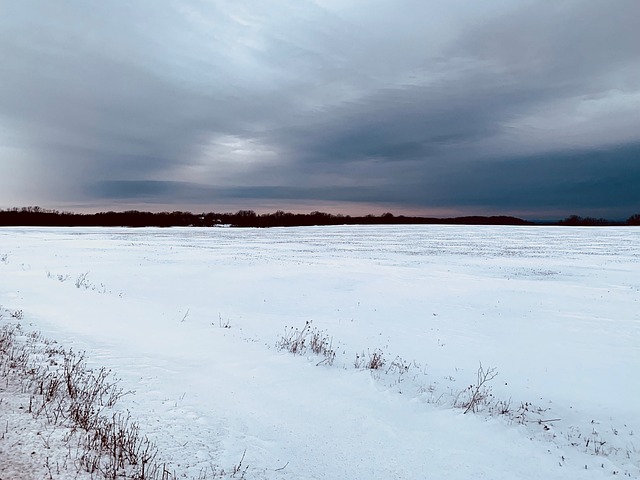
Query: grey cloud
[
  {"x": 563, "y": 41},
  {"x": 155, "y": 191},
  {"x": 410, "y": 104},
  {"x": 577, "y": 182}
]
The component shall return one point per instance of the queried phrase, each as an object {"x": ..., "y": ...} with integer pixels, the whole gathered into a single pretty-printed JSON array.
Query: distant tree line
[
  {"x": 36, "y": 216},
  {"x": 575, "y": 220}
]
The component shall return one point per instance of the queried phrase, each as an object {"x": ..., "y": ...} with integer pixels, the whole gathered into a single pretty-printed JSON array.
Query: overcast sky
[{"x": 528, "y": 108}]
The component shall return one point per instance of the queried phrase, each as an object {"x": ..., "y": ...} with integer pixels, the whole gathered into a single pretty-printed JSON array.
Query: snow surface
[{"x": 555, "y": 310}]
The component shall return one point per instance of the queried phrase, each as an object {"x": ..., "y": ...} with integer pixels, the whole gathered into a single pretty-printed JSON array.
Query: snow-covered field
[{"x": 189, "y": 319}]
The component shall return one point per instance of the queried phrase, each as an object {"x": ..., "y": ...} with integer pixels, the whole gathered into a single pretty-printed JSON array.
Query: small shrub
[
  {"x": 293, "y": 340},
  {"x": 299, "y": 342},
  {"x": 82, "y": 281},
  {"x": 106, "y": 443},
  {"x": 321, "y": 344},
  {"x": 376, "y": 360},
  {"x": 479, "y": 393},
  {"x": 373, "y": 361},
  {"x": 399, "y": 366},
  {"x": 501, "y": 407},
  {"x": 238, "y": 470},
  {"x": 225, "y": 324}
]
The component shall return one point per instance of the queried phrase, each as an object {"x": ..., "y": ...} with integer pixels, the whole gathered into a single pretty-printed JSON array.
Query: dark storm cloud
[
  {"x": 579, "y": 182},
  {"x": 497, "y": 72},
  {"x": 501, "y": 106},
  {"x": 411, "y": 122},
  {"x": 186, "y": 192}
]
